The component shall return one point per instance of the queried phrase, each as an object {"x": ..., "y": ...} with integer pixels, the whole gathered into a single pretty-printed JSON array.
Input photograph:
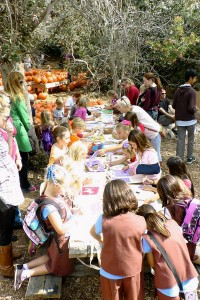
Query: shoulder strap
[
  {"x": 166, "y": 257},
  {"x": 45, "y": 201}
]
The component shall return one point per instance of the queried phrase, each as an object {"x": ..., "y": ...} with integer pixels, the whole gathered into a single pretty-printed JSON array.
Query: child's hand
[
  {"x": 101, "y": 152},
  {"x": 125, "y": 168},
  {"x": 9, "y": 128}
]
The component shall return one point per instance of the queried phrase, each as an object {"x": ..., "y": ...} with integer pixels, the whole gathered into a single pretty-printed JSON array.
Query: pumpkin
[
  {"x": 28, "y": 78},
  {"x": 71, "y": 86},
  {"x": 36, "y": 79},
  {"x": 99, "y": 102},
  {"x": 44, "y": 80},
  {"x": 50, "y": 79},
  {"x": 29, "y": 89},
  {"x": 42, "y": 96},
  {"x": 48, "y": 74},
  {"x": 63, "y": 87}
]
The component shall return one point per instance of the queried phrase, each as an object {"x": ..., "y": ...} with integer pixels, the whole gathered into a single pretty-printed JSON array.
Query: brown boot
[{"x": 6, "y": 261}]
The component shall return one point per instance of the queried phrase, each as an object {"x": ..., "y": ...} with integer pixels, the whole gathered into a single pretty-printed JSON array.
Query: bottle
[{"x": 39, "y": 231}]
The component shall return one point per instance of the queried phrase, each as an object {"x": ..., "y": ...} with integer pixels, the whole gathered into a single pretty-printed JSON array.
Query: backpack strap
[{"x": 167, "y": 259}]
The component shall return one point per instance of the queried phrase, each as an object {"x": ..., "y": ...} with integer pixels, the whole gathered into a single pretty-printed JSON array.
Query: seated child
[
  {"x": 56, "y": 261},
  {"x": 78, "y": 126},
  {"x": 146, "y": 163},
  {"x": 121, "y": 133},
  {"x": 59, "y": 114},
  {"x": 128, "y": 155},
  {"x": 81, "y": 110},
  {"x": 112, "y": 95},
  {"x": 60, "y": 148}
]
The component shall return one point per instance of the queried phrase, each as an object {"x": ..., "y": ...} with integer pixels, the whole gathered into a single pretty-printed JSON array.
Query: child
[
  {"x": 78, "y": 126},
  {"x": 33, "y": 113},
  {"x": 132, "y": 117},
  {"x": 178, "y": 168},
  {"x": 120, "y": 232},
  {"x": 57, "y": 260},
  {"x": 60, "y": 148},
  {"x": 121, "y": 132},
  {"x": 171, "y": 191},
  {"x": 146, "y": 157},
  {"x": 46, "y": 128},
  {"x": 168, "y": 234},
  {"x": 141, "y": 98},
  {"x": 112, "y": 95},
  {"x": 81, "y": 110},
  {"x": 129, "y": 155},
  {"x": 58, "y": 113},
  {"x": 75, "y": 165}
]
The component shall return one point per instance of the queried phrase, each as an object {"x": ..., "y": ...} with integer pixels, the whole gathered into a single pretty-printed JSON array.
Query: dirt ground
[{"x": 87, "y": 287}]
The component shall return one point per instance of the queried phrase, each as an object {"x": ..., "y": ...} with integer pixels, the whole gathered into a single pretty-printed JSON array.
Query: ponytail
[{"x": 156, "y": 222}]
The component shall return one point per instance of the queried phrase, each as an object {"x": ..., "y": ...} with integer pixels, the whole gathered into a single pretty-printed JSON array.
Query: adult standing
[
  {"x": 10, "y": 194},
  {"x": 21, "y": 122},
  {"x": 152, "y": 128},
  {"x": 131, "y": 90},
  {"x": 152, "y": 95},
  {"x": 185, "y": 107}
]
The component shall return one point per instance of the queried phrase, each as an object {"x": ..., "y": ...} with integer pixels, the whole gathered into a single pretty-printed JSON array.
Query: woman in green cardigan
[{"x": 21, "y": 122}]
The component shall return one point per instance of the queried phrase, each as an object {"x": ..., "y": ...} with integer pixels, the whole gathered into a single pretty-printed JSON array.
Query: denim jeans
[
  {"x": 181, "y": 135},
  {"x": 153, "y": 114},
  {"x": 156, "y": 143}
]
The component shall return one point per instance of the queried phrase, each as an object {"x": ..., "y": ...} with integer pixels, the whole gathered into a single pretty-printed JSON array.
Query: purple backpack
[{"x": 191, "y": 222}]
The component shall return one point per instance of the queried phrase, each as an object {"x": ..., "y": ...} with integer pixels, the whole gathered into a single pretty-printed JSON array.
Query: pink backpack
[
  {"x": 191, "y": 222},
  {"x": 33, "y": 224}
]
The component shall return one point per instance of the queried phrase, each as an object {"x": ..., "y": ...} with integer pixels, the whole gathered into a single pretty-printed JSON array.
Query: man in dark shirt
[
  {"x": 166, "y": 114},
  {"x": 185, "y": 107}
]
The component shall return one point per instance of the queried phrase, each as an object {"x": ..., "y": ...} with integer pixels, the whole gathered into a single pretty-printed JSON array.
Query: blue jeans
[
  {"x": 181, "y": 135},
  {"x": 156, "y": 143},
  {"x": 153, "y": 114}
]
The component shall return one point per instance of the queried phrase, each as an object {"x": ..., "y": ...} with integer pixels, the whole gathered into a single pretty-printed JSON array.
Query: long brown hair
[
  {"x": 177, "y": 167},
  {"x": 154, "y": 78},
  {"x": 140, "y": 139},
  {"x": 131, "y": 116},
  {"x": 14, "y": 85},
  {"x": 172, "y": 189},
  {"x": 154, "y": 220},
  {"x": 118, "y": 198}
]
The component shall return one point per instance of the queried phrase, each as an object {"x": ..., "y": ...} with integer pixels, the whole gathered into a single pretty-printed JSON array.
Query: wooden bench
[{"x": 45, "y": 286}]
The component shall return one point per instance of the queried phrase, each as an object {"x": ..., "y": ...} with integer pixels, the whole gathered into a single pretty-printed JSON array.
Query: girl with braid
[{"x": 169, "y": 236}]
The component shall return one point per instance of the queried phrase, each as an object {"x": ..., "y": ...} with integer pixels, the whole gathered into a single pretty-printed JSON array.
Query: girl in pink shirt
[
  {"x": 81, "y": 110},
  {"x": 146, "y": 156}
]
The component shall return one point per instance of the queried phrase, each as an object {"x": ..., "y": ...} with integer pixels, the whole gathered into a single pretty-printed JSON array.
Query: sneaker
[
  {"x": 190, "y": 160},
  {"x": 17, "y": 279},
  {"x": 32, "y": 188}
]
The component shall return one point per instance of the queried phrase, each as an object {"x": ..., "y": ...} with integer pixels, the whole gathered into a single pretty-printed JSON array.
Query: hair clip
[
  {"x": 126, "y": 122},
  {"x": 126, "y": 144},
  {"x": 51, "y": 174}
]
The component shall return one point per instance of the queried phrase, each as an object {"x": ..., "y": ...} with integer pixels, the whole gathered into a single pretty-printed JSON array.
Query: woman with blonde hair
[
  {"x": 131, "y": 90},
  {"x": 21, "y": 121},
  {"x": 152, "y": 95}
]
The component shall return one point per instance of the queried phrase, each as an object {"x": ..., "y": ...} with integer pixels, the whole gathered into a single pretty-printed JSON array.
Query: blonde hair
[
  {"x": 46, "y": 117},
  {"x": 83, "y": 102},
  {"x": 4, "y": 101},
  {"x": 123, "y": 127},
  {"x": 111, "y": 93},
  {"x": 57, "y": 175},
  {"x": 143, "y": 88},
  {"x": 127, "y": 81},
  {"x": 124, "y": 101},
  {"x": 129, "y": 149},
  {"x": 76, "y": 151},
  {"x": 78, "y": 123},
  {"x": 13, "y": 86},
  {"x": 73, "y": 168},
  {"x": 59, "y": 101}
]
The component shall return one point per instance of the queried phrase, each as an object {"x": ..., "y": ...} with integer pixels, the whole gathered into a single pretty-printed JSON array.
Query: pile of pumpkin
[{"x": 40, "y": 106}]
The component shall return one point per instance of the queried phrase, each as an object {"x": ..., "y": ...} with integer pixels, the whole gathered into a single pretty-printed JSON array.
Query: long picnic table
[{"x": 89, "y": 202}]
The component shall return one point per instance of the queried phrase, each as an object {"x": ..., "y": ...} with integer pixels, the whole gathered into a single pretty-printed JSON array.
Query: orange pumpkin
[
  {"x": 29, "y": 89},
  {"x": 42, "y": 96},
  {"x": 71, "y": 86},
  {"x": 50, "y": 79},
  {"x": 36, "y": 79},
  {"x": 99, "y": 102},
  {"x": 44, "y": 80}
]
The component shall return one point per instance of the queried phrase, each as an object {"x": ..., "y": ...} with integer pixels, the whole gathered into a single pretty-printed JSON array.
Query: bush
[{"x": 39, "y": 161}]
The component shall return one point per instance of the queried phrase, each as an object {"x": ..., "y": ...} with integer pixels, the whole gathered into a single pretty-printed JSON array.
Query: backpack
[
  {"x": 191, "y": 222},
  {"x": 40, "y": 233}
]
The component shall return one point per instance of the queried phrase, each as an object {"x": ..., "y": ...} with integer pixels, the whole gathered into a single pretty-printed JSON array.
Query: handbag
[{"x": 183, "y": 295}]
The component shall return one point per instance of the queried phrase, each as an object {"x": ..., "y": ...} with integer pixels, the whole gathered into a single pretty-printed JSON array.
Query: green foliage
[{"x": 39, "y": 161}]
